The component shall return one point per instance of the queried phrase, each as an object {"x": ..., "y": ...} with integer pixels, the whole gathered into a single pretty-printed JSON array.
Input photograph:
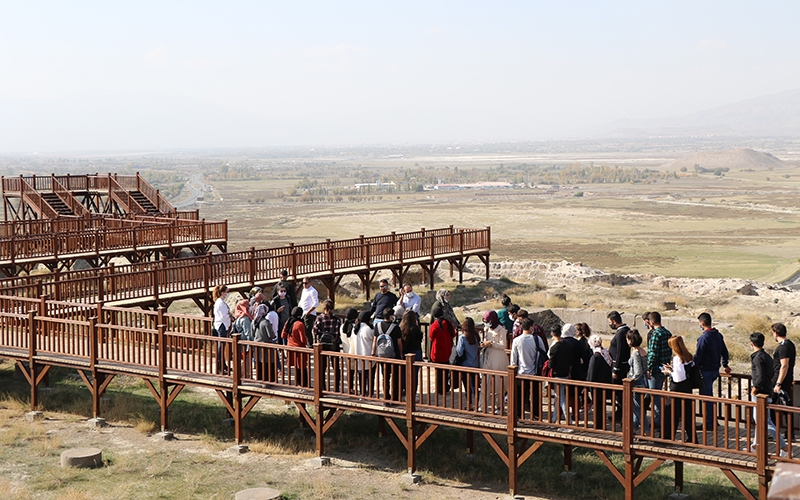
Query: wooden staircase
[
  {"x": 57, "y": 204},
  {"x": 144, "y": 202}
]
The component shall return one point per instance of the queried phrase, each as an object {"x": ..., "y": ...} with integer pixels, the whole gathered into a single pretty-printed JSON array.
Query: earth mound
[{"x": 734, "y": 159}]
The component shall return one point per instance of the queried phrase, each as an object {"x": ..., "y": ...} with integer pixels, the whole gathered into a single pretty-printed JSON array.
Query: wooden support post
[
  {"x": 679, "y": 477},
  {"x": 96, "y": 383},
  {"x": 318, "y": 384},
  {"x": 510, "y": 429},
  {"x": 470, "y": 441},
  {"x": 236, "y": 363},
  {"x": 207, "y": 285},
  {"x": 155, "y": 282},
  {"x": 162, "y": 371},
  {"x": 31, "y": 360},
  {"x": 627, "y": 437},
  {"x": 762, "y": 447},
  {"x": 381, "y": 425},
  {"x": 567, "y": 457},
  {"x": 251, "y": 263},
  {"x": 329, "y": 256},
  {"x": 293, "y": 262},
  {"x": 411, "y": 440}
]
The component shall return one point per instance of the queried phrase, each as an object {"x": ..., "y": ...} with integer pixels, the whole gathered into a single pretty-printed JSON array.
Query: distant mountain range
[
  {"x": 771, "y": 115},
  {"x": 103, "y": 121},
  {"x": 734, "y": 159},
  {"x": 120, "y": 121}
]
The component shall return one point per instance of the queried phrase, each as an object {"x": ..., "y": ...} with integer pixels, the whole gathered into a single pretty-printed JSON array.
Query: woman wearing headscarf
[
  {"x": 493, "y": 357},
  {"x": 244, "y": 319},
  {"x": 294, "y": 331},
  {"x": 443, "y": 303},
  {"x": 580, "y": 352},
  {"x": 599, "y": 371}
]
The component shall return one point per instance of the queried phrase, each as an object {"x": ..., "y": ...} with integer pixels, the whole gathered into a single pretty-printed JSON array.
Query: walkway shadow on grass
[
  {"x": 128, "y": 400},
  {"x": 443, "y": 459}
]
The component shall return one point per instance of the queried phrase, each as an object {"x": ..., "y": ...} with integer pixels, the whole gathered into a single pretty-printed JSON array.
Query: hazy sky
[{"x": 77, "y": 75}]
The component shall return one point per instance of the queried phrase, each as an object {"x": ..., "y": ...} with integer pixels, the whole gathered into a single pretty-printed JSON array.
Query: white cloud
[
  {"x": 157, "y": 58},
  {"x": 711, "y": 45}
]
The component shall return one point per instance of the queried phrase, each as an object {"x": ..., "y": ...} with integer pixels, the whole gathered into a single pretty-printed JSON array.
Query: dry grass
[
  {"x": 553, "y": 302},
  {"x": 281, "y": 445},
  {"x": 74, "y": 494},
  {"x": 144, "y": 425},
  {"x": 750, "y": 323},
  {"x": 12, "y": 491},
  {"x": 21, "y": 433}
]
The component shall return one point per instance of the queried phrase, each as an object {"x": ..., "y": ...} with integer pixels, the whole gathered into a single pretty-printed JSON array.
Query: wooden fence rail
[
  {"x": 172, "y": 351},
  {"x": 194, "y": 277}
]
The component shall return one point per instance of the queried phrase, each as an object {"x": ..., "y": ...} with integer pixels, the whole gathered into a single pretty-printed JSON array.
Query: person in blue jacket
[{"x": 710, "y": 353}]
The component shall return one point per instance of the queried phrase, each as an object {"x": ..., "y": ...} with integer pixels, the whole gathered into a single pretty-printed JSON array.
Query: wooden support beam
[
  {"x": 496, "y": 447},
  {"x": 397, "y": 432},
  {"x": 747, "y": 494},
  {"x": 301, "y": 407},
  {"x": 331, "y": 418},
  {"x": 420, "y": 439},
  {"x": 613, "y": 468},
  {"x": 533, "y": 448},
  {"x": 649, "y": 470},
  {"x": 223, "y": 395}
]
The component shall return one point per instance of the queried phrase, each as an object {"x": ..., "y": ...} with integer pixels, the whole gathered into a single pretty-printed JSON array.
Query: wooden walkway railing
[
  {"x": 170, "y": 352},
  {"x": 57, "y": 243},
  {"x": 161, "y": 282},
  {"x": 84, "y": 185}
]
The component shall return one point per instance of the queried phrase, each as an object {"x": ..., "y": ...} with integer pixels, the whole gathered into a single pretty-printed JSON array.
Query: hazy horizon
[{"x": 193, "y": 75}]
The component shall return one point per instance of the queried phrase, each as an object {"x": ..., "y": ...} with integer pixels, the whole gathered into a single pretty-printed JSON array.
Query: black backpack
[
  {"x": 328, "y": 340},
  {"x": 541, "y": 359}
]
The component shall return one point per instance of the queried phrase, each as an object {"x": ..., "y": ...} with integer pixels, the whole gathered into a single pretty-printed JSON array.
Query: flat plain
[{"x": 743, "y": 224}]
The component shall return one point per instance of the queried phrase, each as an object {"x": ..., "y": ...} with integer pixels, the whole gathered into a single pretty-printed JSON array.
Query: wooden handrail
[
  {"x": 66, "y": 196},
  {"x": 137, "y": 280},
  {"x": 63, "y": 335}
]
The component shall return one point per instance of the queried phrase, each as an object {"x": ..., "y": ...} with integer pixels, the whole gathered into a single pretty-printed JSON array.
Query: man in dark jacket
[
  {"x": 561, "y": 363},
  {"x": 384, "y": 300},
  {"x": 620, "y": 353},
  {"x": 761, "y": 373},
  {"x": 289, "y": 286},
  {"x": 619, "y": 349},
  {"x": 711, "y": 351}
]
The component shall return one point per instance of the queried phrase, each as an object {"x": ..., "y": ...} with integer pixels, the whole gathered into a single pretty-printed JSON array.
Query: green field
[{"x": 620, "y": 228}]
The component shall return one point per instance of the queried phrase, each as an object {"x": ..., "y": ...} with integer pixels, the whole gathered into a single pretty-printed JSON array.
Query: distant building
[{"x": 475, "y": 185}]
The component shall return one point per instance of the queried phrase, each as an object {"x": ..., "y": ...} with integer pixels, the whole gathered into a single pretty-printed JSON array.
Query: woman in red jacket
[
  {"x": 442, "y": 334},
  {"x": 294, "y": 331}
]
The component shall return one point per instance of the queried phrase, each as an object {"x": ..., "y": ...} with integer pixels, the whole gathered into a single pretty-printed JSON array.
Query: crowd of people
[{"x": 390, "y": 328}]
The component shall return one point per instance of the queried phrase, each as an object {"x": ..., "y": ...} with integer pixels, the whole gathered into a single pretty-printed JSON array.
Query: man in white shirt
[
  {"x": 309, "y": 301},
  {"x": 410, "y": 300},
  {"x": 525, "y": 350}
]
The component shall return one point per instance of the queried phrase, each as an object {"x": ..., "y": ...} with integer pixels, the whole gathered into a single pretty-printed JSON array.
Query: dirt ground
[{"x": 142, "y": 465}]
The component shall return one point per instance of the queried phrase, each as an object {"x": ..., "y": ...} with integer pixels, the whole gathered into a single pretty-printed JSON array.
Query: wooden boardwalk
[
  {"x": 52, "y": 196},
  {"x": 159, "y": 283},
  {"x": 172, "y": 351},
  {"x": 59, "y": 243}
]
